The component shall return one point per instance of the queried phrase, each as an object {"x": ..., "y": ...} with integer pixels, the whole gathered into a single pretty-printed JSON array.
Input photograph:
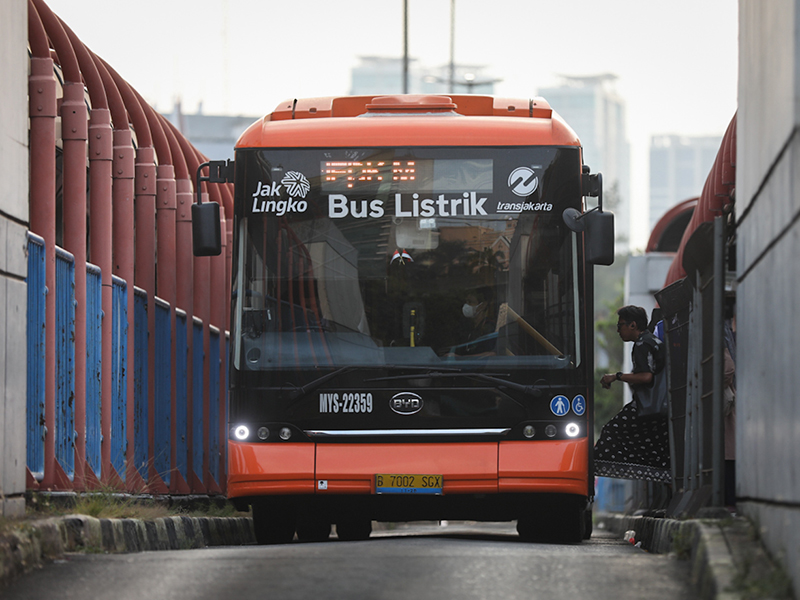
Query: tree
[{"x": 607, "y": 403}]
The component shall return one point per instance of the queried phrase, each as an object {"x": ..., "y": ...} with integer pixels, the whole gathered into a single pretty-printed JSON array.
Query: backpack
[{"x": 653, "y": 402}]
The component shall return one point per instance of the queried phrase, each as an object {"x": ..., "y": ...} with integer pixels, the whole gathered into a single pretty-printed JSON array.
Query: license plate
[{"x": 408, "y": 484}]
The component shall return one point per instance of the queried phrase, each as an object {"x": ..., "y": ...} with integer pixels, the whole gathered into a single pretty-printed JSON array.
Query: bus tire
[
  {"x": 353, "y": 529},
  {"x": 273, "y": 521},
  {"x": 565, "y": 524}
]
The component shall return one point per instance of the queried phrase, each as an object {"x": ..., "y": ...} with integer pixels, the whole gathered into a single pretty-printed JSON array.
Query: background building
[
  {"x": 679, "y": 166},
  {"x": 215, "y": 136},
  {"x": 597, "y": 113}
]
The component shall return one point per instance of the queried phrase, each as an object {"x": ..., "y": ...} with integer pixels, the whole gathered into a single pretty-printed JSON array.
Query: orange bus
[{"x": 411, "y": 323}]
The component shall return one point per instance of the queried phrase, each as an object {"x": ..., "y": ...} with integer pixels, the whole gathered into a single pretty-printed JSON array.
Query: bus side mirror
[
  {"x": 598, "y": 229},
  {"x": 598, "y": 226},
  {"x": 600, "y": 238},
  {"x": 206, "y": 235}
]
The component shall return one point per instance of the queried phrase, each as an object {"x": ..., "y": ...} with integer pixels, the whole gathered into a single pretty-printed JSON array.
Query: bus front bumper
[{"x": 516, "y": 467}]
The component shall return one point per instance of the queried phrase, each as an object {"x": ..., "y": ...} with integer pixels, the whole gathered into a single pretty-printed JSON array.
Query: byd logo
[{"x": 406, "y": 403}]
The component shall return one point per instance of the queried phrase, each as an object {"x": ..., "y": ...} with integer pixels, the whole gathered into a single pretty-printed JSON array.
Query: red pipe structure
[
  {"x": 144, "y": 256},
  {"x": 100, "y": 170},
  {"x": 717, "y": 194},
  {"x": 43, "y": 112},
  {"x": 135, "y": 225},
  {"x": 102, "y": 242},
  {"x": 74, "y": 135}
]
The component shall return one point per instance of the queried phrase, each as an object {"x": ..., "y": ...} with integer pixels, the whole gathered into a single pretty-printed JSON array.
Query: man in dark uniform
[{"x": 631, "y": 447}]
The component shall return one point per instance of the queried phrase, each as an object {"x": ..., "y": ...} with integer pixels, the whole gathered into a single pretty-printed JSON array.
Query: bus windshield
[{"x": 430, "y": 257}]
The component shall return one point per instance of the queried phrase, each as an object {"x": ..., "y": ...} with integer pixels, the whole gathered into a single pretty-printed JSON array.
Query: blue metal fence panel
[
  {"x": 37, "y": 293},
  {"x": 140, "y": 382},
  {"x": 213, "y": 402},
  {"x": 65, "y": 361},
  {"x": 94, "y": 360},
  {"x": 163, "y": 391},
  {"x": 197, "y": 398},
  {"x": 181, "y": 392},
  {"x": 119, "y": 375}
]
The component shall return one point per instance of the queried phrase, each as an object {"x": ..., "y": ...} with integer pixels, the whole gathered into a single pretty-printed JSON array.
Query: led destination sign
[{"x": 406, "y": 175}]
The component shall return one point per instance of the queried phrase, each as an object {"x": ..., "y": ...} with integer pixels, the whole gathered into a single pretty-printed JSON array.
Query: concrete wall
[
  {"x": 768, "y": 311},
  {"x": 13, "y": 252}
]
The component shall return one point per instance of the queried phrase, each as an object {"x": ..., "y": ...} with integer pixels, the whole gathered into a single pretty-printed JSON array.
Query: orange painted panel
[
  {"x": 270, "y": 462},
  {"x": 266, "y": 488},
  {"x": 554, "y": 459},
  {"x": 461, "y": 461},
  {"x": 351, "y": 468},
  {"x": 409, "y": 130},
  {"x": 527, "y": 485}
]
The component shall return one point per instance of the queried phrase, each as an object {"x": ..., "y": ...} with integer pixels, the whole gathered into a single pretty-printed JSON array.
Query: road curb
[
  {"x": 32, "y": 543},
  {"x": 728, "y": 561}
]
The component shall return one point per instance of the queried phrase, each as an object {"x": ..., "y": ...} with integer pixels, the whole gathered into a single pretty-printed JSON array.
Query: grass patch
[
  {"x": 111, "y": 504},
  {"x": 753, "y": 584}
]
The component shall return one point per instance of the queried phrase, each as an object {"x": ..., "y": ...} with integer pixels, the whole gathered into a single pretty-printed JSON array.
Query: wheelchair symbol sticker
[
  {"x": 579, "y": 405},
  {"x": 559, "y": 405}
]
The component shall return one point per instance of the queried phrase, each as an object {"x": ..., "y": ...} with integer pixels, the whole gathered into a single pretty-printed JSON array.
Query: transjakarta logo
[
  {"x": 468, "y": 205},
  {"x": 523, "y": 181},
  {"x": 267, "y": 197}
]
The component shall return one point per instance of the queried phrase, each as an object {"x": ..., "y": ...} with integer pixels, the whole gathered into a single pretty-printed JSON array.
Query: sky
[{"x": 676, "y": 61}]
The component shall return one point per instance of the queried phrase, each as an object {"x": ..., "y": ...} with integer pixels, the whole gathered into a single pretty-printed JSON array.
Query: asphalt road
[{"x": 417, "y": 562}]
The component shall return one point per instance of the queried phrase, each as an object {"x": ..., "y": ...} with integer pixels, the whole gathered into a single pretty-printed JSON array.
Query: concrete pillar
[{"x": 14, "y": 223}]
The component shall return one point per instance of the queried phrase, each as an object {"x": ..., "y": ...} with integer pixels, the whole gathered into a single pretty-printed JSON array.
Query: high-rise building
[
  {"x": 597, "y": 113},
  {"x": 384, "y": 75},
  {"x": 679, "y": 166}
]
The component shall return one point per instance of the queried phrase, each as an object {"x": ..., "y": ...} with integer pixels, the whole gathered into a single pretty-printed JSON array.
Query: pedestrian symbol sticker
[
  {"x": 559, "y": 406},
  {"x": 579, "y": 405}
]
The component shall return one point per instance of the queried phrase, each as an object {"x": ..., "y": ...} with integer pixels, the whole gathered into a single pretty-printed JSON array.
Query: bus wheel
[
  {"x": 563, "y": 525},
  {"x": 313, "y": 529},
  {"x": 353, "y": 529},
  {"x": 273, "y": 521}
]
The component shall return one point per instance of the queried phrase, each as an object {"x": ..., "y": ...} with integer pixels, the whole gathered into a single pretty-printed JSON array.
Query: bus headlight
[
  {"x": 572, "y": 429},
  {"x": 241, "y": 432},
  {"x": 263, "y": 433},
  {"x": 550, "y": 430},
  {"x": 285, "y": 433},
  {"x": 529, "y": 431}
]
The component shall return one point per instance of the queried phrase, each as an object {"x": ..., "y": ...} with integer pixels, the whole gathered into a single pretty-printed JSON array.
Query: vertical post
[
  {"x": 74, "y": 134},
  {"x": 697, "y": 397},
  {"x": 122, "y": 191},
  {"x": 101, "y": 155},
  {"x": 184, "y": 298},
  {"x": 42, "y": 110},
  {"x": 452, "y": 78},
  {"x": 718, "y": 440},
  {"x": 145, "y": 278},
  {"x": 405, "y": 46}
]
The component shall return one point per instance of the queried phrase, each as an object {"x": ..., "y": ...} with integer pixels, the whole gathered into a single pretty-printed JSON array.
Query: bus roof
[{"x": 409, "y": 120}]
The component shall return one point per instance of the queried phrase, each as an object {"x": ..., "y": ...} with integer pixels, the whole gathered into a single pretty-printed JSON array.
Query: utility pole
[
  {"x": 452, "y": 45},
  {"x": 405, "y": 46}
]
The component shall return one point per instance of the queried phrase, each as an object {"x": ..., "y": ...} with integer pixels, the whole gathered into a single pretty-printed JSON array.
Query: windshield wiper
[
  {"x": 494, "y": 378},
  {"x": 298, "y": 391}
]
